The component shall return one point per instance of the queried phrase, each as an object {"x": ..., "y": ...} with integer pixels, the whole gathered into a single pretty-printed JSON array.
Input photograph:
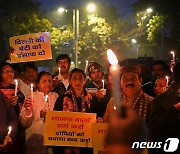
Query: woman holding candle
[
  {"x": 15, "y": 97},
  {"x": 74, "y": 100},
  {"x": 34, "y": 111}
]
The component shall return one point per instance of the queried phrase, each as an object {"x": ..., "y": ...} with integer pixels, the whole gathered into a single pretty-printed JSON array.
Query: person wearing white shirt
[{"x": 33, "y": 113}]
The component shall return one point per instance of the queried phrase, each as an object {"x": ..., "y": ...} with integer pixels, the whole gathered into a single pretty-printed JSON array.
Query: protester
[
  {"x": 30, "y": 72},
  {"x": 61, "y": 80},
  {"x": 158, "y": 69},
  {"x": 160, "y": 86},
  {"x": 163, "y": 119},
  {"x": 33, "y": 113},
  {"x": 101, "y": 93},
  {"x": 76, "y": 99},
  {"x": 8, "y": 118},
  {"x": 132, "y": 96},
  {"x": 6, "y": 78}
]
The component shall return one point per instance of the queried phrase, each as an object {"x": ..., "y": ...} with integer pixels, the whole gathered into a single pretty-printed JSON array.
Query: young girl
[{"x": 33, "y": 113}]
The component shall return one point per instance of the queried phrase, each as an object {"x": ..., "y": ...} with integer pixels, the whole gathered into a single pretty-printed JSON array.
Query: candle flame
[
  {"x": 16, "y": 81},
  {"x": 173, "y": 53},
  {"x": 59, "y": 69},
  {"x": 167, "y": 79},
  {"x": 10, "y": 129},
  {"x": 114, "y": 107},
  {"x": 86, "y": 62},
  {"x": 31, "y": 85},
  {"x": 102, "y": 80},
  {"x": 112, "y": 57}
]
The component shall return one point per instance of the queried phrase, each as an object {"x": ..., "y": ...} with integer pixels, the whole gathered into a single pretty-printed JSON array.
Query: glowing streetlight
[
  {"x": 149, "y": 10},
  {"x": 134, "y": 41},
  {"x": 91, "y": 7},
  {"x": 61, "y": 10}
]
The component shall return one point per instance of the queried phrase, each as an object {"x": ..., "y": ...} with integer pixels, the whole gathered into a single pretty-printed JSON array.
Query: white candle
[
  {"x": 103, "y": 84},
  {"x": 59, "y": 74},
  {"x": 115, "y": 73},
  {"x": 85, "y": 70},
  {"x": 46, "y": 101},
  {"x": 31, "y": 85},
  {"x": 9, "y": 131},
  {"x": 173, "y": 56},
  {"x": 16, "y": 86},
  {"x": 59, "y": 70},
  {"x": 167, "y": 80}
]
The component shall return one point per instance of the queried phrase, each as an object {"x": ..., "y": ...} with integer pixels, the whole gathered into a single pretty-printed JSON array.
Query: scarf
[
  {"x": 70, "y": 102},
  {"x": 140, "y": 104}
]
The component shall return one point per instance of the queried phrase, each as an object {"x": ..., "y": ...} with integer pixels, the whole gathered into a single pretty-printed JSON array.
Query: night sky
[{"x": 121, "y": 5}]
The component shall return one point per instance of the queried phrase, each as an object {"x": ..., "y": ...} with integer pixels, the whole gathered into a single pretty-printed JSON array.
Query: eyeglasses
[{"x": 7, "y": 71}]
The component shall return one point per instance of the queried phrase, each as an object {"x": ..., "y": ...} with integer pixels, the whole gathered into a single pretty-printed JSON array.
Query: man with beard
[
  {"x": 132, "y": 96},
  {"x": 62, "y": 84},
  {"x": 164, "y": 115}
]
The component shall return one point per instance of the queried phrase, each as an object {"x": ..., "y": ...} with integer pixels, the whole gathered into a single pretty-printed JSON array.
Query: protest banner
[
  {"x": 69, "y": 129},
  {"x": 99, "y": 133},
  {"x": 30, "y": 47}
]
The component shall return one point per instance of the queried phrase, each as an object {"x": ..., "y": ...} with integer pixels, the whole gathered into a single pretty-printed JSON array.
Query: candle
[
  {"x": 31, "y": 85},
  {"x": 167, "y": 80},
  {"x": 46, "y": 101},
  {"x": 16, "y": 86},
  {"x": 9, "y": 131},
  {"x": 173, "y": 56},
  {"x": 85, "y": 70},
  {"x": 115, "y": 73},
  {"x": 59, "y": 74},
  {"x": 103, "y": 83}
]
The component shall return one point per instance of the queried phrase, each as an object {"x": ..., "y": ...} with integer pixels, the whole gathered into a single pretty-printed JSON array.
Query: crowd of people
[{"x": 151, "y": 105}]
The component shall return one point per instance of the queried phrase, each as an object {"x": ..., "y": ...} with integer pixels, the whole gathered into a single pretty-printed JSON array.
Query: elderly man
[
  {"x": 164, "y": 117},
  {"x": 132, "y": 96},
  {"x": 158, "y": 69}
]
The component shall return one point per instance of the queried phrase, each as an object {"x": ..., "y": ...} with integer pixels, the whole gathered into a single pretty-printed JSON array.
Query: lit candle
[
  {"x": 59, "y": 74},
  {"x": 103, "y": 83},
  {"x": 31, "y": 85},
  {"x": 46, "y": 101},
  {"x": 85, "y": 70},
  {"x": 115, "y": 73},
  {"x": 9, "y": 131},
  {"x": 173, "y": 56},
  {"x": 8, "y": 135},
  {"x": 167, "y": 80},
  {"x": 16, "y": 86}
]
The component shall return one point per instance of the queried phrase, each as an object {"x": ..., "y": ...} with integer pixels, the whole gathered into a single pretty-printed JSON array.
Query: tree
[
  {"x": 163, "y": 28},
  {"x": 17, "y": 18}
]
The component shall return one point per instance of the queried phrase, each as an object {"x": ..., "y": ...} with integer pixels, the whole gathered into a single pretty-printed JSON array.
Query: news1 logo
[{"x": 170, "y": 145}]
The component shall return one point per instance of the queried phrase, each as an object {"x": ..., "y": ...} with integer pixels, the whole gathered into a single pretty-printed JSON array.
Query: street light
[
  {"x": 134, "y": 41},
  {"x": 149, "y": 10},
  {"x": 91, "y": 8}
]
